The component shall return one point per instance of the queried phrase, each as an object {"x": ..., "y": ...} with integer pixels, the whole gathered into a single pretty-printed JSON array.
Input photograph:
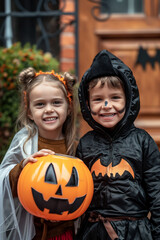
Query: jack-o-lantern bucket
[{"x": 56, "y": 187}]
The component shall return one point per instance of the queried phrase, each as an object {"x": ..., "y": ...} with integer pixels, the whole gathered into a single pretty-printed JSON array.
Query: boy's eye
[
  {"x": 97, "y": 100},
  {"x": 116, "y": 97}
]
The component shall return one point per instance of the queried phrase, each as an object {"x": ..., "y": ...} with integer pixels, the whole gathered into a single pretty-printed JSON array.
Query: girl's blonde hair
[{"x": 28, "y": 79}]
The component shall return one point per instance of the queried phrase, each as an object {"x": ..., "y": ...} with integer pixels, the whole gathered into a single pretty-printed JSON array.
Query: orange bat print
[{"x": 123, "y": 166}]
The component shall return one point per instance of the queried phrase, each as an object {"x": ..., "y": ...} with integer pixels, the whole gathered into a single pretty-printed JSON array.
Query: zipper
[
  {"x": 110, "y": 141},
  {"x": 111, "y": 151}
]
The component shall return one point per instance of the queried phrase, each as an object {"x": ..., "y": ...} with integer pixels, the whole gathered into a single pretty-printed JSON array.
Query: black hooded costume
[{"x": 125, "y": 164}]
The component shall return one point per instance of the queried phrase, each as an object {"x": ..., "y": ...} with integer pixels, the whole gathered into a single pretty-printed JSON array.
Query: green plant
[{"x": 12, "y": 61}]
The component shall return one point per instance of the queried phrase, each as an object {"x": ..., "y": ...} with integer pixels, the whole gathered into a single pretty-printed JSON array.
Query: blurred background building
[
  {"x": 74, "y": 31},
  {"x": 50, "y": 24}
]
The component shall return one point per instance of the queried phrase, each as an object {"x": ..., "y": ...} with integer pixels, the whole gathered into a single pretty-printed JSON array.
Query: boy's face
[{"x": 107, "y": 105}]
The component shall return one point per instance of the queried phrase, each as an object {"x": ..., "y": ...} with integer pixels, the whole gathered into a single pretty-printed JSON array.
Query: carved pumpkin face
[{"x": 56, "y": 187}]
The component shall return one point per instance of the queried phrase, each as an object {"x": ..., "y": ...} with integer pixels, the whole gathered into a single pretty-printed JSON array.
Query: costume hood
[{"x": 106, "y": 64}]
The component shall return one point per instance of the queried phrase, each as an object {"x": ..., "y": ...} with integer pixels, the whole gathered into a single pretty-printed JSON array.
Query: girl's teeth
[{"x": 50, "y": 119}]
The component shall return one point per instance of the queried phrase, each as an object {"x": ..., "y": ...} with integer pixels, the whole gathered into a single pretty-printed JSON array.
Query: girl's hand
[{"x": 41, "y": 153}]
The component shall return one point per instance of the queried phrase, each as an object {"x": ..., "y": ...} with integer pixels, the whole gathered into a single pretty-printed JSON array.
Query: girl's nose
[{"x": 49, "y": 109}]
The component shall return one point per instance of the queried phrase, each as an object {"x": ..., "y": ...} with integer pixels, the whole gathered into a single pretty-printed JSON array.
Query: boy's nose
[{"x": 106, "y": 104}]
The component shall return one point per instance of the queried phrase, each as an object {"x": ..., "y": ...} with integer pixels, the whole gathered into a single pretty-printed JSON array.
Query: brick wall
[{"x": 67, "y": 38}]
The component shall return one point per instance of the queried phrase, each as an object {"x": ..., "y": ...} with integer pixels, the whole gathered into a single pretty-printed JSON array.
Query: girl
[{"x": 46, "y": 121}]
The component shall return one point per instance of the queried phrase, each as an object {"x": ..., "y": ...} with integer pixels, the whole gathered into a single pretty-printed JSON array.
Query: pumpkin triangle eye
[
  {"x": 73, "y": 181},
  {"x": 50, "y": 176}
]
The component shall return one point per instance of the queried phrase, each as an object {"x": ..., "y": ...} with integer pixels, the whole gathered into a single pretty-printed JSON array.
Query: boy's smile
[{"x": 107, "y": 104}]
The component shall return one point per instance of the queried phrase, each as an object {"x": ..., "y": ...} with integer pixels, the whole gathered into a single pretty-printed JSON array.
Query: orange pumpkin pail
[{"x": 56, "y": 187}]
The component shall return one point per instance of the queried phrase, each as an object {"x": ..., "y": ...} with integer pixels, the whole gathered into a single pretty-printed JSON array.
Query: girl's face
[
  {"x": 107, "y": 105},
  {"x": 48, "y": 109}
]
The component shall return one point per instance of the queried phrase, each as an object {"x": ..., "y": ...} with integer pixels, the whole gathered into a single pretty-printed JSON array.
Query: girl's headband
[{"x": 60, "y": 78}]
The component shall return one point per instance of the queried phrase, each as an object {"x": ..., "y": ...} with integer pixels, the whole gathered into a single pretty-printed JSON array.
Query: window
[{"x": 122, "y": 6}]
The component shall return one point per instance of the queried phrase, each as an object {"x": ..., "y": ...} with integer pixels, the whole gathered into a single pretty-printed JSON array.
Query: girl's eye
[
  {"x": 57, "y": 102},
  {"x": 40, "y": 104}
]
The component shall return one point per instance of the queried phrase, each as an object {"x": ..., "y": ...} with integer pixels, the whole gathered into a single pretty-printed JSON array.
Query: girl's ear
[{"x": 29, "y": 114}]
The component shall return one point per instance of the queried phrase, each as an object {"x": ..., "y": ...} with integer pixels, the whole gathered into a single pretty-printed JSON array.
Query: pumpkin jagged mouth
[{"x": 56, "y": 205}]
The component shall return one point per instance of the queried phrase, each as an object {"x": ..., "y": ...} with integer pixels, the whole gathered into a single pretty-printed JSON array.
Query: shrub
[{"x": 12, "y": 61}]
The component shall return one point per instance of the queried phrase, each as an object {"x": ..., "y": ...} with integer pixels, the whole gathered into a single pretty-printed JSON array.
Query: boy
[{"x": 124, "y": 160}]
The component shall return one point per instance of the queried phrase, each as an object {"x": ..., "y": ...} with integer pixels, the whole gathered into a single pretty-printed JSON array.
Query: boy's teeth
[{"x": 109, "y": 115}]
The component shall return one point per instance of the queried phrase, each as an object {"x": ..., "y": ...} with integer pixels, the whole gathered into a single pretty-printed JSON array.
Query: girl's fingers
[
  {"x": 42, "y": 152},
  {"x": 30, "y": 159},
  {"x": 47, "y": 151}
]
